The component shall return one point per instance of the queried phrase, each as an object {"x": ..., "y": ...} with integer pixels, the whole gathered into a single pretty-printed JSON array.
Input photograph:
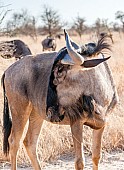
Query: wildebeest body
[
  {"x": 34, "y": 84},
  {"x": 34, "y": 81}
]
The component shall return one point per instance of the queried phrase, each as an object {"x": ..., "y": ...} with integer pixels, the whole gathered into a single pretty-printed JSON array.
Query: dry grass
[{"x": 56, "y": 139}]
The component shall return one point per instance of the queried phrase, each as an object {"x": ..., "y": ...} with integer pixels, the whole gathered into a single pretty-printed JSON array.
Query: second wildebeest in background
[
  {"x": 49, "y": 43},
  {"x": 14, "y": 48}
]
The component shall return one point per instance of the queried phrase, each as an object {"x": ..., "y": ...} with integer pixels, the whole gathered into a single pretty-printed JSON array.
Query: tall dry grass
[{"x": 56, "y": 139}]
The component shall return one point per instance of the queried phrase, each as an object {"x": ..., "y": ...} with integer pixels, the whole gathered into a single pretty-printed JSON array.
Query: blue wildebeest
[
  {"x": 14, "y": 48},
  {"x": 66, "y": 87},
  {"x": 49, "y": 43}
]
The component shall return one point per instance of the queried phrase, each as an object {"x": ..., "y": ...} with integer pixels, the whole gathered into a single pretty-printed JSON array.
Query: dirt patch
[{"x": 112, "y": 161}]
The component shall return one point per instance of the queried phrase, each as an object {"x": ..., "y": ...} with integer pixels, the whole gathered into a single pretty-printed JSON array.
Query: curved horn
[
  {"x": 94, "y": 62},
  {"x": 77, "y": 58}
]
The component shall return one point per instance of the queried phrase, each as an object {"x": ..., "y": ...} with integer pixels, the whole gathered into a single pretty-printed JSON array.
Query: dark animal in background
[
  {"x": 103, "y": 34},
  {"x": 81, "y": 89},
  {"x": 49, "y": 44},
  {"x": 59, "y": 35},
  {"x": 14, "y": 48}
]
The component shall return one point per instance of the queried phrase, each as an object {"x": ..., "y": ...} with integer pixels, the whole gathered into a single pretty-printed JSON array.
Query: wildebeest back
[{"x": 31, "y": 78}]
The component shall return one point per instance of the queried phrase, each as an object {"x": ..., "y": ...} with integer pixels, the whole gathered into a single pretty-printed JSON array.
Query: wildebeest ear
[
  {"x": 67, "y": 60},
  {"x": 93, "y": 62}
]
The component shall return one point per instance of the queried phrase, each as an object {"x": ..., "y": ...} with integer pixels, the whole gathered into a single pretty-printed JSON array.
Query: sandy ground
[{"x": 109, "y": 161}]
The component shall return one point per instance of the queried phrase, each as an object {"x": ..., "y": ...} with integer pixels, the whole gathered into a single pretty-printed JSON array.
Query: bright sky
[{"x": 70, "y": 9}]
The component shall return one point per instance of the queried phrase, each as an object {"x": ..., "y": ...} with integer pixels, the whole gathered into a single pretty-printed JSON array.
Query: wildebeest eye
[{"x": 60, "y": 74}]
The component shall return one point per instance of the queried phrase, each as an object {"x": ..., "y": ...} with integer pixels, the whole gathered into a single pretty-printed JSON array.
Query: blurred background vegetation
[{"x": 50, "y": 23}]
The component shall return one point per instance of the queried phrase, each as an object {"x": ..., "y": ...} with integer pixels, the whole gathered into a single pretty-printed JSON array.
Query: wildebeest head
[
  {"x": 75, "y": 76},
  {"x": 21, "y": 49},
  {"x": 77, "y": 57}
]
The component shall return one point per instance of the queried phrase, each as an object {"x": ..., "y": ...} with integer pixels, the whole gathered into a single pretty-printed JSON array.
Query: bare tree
[
  {"x": 98, "y": 24},
  {"x": 109, "y": 32},
  {"x": 22, "y": 23},
  {"x": 79, "y": 26},
  {"x": 120, "y": 15},
  {"x": 3, "y": 12},
  {"x": 103, "y": 28},
  {"x": 51, "y": 21},
  {"x": 115, "y": 26},
  {"x": 18, "y": 20}
]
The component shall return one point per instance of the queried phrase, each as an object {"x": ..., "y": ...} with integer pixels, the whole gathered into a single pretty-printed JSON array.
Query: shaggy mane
[
  {"x": 98, "y": 47},
  {"x": 75, "y": 111}
]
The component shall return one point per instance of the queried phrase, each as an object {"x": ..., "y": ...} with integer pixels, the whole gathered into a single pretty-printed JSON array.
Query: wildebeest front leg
[
  {"x": 76, "y": 129},
  {"x": 96, "y": 148},
  {"x": 30, "y": 141}
]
